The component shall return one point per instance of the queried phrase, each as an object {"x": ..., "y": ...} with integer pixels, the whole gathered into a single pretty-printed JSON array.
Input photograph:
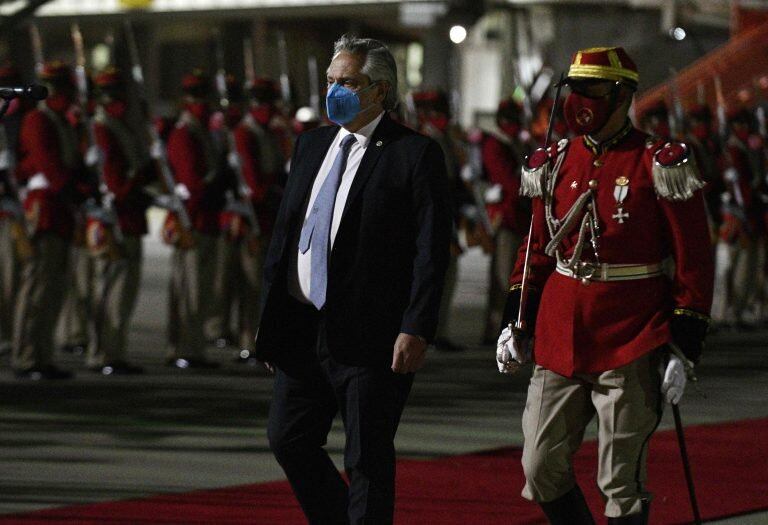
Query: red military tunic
[
  {"x": 261, "y": 159},
  {"x": 501, "y": 162},
  {"x": 193, "y": 161},
  {"x": 125, "y": 171},
  {"x": 605, "y": 325},
  {"x": 48, "y": 164}
]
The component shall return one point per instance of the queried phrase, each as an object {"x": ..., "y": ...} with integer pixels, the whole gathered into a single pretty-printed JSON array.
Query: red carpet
[{"x": 730, "y": 467}]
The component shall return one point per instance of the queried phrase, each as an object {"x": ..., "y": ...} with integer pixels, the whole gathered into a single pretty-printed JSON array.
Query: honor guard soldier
[
  {"x": 49, "y": 165},
  {"x": 742, "y": 226},
  {"x": 434, "y": 118},
  {"x": 259, "y": 151},
  {"x": 14, "y": 243},
  {"x": 700, "y": 136},
  {"x": 118, "y": 256},
  {"x": 223, "y": 121},
  {"x": 502, "y": 151},
  {"x": 610, "y": 208},
  {"x": 192, "y": 157}
]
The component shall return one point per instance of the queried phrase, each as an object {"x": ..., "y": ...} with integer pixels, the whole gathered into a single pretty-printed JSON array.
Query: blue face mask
[{"x": 343, "y": 104}]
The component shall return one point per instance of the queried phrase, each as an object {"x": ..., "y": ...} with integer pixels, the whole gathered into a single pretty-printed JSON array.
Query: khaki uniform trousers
[
  {"x": 117, "y": 290},
  {"x": 249, "y": 271},
  {"x": 218, "y": 320},
  {"x": 41, "y": 295},
  {"x": 627, "y": 402},
  {"x": 9, "y": 282},
  {"x": 192, "y": 274},
  {"x": 736, "y": 279},
  {"x": 78, "y": 310},
  {"x": 503, "y": 259}
]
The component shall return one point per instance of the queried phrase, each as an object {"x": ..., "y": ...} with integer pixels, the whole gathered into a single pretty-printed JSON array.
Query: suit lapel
[
  {"x": 381, "y": 137},
  {"x": 310, "y": 165}
]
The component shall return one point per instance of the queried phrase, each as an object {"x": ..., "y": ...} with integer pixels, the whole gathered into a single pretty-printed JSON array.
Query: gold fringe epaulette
[{"x": 675, "y": 175}]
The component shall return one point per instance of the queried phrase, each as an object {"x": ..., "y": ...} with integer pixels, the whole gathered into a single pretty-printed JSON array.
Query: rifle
[
  {"x": 314, "y": 86},
  {"x": 677, "y": 126},
  {"x": 37, "y": 49},
  {"x": 107, "y": 213},
  {"x": 722, "y": 131},
  {"x": 186, "y": 240},
  {"x": 249, "y": 70},
  {"x": 234, "y": 159},
  {"x": 282, "y": 55}
]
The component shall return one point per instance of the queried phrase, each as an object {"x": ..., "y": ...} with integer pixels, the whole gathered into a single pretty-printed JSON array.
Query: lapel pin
[{"x": 379, "y": 143}]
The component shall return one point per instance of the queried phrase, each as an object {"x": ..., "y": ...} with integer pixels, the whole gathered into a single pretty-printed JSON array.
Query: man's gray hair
[{"x": 379, "y": 64}]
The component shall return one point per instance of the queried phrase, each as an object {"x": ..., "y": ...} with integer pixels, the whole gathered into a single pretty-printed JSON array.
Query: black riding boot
[
  {"x": 569, "y": 509},
  {"x": 641, "y": 518}
]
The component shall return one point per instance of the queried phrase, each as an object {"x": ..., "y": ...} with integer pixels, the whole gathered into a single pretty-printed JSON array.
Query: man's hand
[
  {"x": 512, "y": 352},
  {"x": 409, "y": 355},
  {"x": 269, "y": 367},
  {"x": 673, "y": 384}
]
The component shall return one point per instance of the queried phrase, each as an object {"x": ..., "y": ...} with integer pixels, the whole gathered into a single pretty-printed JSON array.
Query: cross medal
[{"x": 620, "y": 193}]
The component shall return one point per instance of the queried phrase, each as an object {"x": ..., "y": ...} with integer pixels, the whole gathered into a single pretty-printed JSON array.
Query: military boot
[
  {"x": 641, "y": 518},
  {"x": 569, "y": 509}
]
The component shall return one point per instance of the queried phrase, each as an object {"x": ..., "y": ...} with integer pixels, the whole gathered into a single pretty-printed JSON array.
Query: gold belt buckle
[{"x": 585, "y": 273}]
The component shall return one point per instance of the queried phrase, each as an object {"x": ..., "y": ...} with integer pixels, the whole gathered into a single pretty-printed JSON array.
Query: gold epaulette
[{"x": 675, "y": 175}]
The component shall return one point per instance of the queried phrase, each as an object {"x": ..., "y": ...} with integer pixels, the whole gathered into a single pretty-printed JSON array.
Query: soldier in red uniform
[
  {"x": 259, "y": 152},
  {"x": 14, "y": 244},
  {"x": 742, "y": 224},
  {"x": 700, "y": 136},
  {"x": 192, "y": 157},
  {"x": 126, "y": 170},
  {"x": 509, "y": 213},
  {"x": 610, "y": 207},
  {"x": 49, "y": 164}
]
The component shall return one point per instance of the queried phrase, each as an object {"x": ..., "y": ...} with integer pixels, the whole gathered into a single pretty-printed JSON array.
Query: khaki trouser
[
  {"x": 9, "y": 281},
  {"x": 249, "y": 272},
  {"x": 41, "y": 295},
  {"x": 736, "y": 279},
  {"x": 217, "y": 322},
  {"x": 628, "y": 405},
  {"x": 190, "y": 296},
  {"x": 503, "y": 259},
  {"x": 78, "y": 311},
  {"x": 117, "y": 289}
]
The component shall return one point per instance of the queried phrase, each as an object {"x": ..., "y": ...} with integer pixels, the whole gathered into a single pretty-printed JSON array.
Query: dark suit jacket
[{"x": 389, "y": 258}]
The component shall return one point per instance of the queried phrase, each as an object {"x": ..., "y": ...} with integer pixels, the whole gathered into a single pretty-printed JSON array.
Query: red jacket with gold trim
[{"x": 598, "y": 326}]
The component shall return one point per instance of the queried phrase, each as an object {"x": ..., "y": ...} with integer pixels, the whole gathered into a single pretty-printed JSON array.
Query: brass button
[
  {"x": 593, "y": 184},
  {"x": 598, "y": 163}
]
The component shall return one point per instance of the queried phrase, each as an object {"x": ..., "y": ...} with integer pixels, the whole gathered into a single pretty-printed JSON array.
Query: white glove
[
  {"x": 156, "y": 150},
  {"x": 494, "y": 194},
  {"x": 92, "y": 156},
  {"x": 233, "y": 159},
  {"x": 182, "y": 191},
  {"x": 512, "y": 353},
  {"x": 673, "y": 384}
]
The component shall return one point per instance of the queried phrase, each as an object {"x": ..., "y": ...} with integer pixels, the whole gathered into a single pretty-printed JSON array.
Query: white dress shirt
[{"x": 300, "y": 276}]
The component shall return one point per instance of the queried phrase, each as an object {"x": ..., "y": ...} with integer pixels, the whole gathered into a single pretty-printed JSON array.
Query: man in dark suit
[{"x": 353, "y": 280}]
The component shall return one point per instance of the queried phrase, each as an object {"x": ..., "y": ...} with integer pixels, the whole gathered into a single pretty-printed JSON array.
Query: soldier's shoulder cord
[
  {"x": 673, "y": 168},
  {"x": 538, "y": 166}
]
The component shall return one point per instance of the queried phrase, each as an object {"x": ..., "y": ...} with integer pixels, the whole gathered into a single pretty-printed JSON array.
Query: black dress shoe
[
  {"x": 191, "y": 362},
  {"x": 75, "y": 349},
  {"x": 119, "y": 368},
  {"x": 38, "y": 373}
]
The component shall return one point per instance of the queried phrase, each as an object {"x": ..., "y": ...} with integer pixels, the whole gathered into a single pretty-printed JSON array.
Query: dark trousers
[{"x": 308, "y": 392}]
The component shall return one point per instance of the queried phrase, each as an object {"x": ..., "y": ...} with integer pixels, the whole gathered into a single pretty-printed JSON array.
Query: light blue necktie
[{"x": 316, "y": 231}]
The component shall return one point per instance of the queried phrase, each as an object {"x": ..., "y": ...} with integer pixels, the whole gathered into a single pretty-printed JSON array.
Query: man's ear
[{"x": 381, "y": 91}]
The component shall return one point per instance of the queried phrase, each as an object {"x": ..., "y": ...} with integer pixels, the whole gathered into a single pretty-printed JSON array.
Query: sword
[
  {"x": 520, "y": 325},
  {"x": 686, "y": 464}
]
